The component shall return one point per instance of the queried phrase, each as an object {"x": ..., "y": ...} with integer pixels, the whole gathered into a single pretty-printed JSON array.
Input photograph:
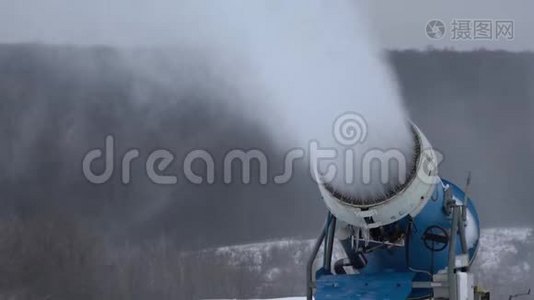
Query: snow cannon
[{"x": 416, "y": 242}]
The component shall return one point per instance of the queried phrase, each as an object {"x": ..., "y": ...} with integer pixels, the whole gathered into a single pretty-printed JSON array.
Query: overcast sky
[{"x": 398, "y": 24}]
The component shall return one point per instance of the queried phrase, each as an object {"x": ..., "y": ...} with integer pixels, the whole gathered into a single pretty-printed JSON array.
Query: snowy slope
[{"x": 504, "y": 262}]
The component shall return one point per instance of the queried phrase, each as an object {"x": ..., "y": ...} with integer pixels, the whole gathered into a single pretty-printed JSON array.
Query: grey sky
[
  {"x": 398, "y": 24},
  {"x": 401, "y": 24}
]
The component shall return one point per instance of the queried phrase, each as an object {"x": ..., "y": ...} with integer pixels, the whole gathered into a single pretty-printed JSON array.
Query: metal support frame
[
  {"x": 457, "y": 227},
  {"x": 451, "y": 270},
  {"x": 327, "y": 235}
]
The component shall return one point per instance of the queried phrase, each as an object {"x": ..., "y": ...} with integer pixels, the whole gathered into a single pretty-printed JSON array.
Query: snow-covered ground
[
  {"x": 497, "y": 245},
  {"x": 504, "y": 262}
]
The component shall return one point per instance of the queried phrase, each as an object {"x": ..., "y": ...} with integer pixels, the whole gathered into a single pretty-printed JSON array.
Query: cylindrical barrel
[{"x": 408, "y": 200}]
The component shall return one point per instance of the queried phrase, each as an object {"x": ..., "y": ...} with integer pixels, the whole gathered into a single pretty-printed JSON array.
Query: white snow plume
[
  {"x": 313, "y": 62},
  {"x": 318, "y": 65},
  {"x": 297, "y": 64}
]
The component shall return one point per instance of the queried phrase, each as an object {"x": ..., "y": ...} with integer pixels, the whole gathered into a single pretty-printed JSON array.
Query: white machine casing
[{"x": 409, "y": 201}]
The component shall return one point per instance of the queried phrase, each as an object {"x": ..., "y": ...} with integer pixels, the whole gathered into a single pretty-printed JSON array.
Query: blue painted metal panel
[
  {"x": 383, "y": 286},
  {"x": 421, "y": 258},
  {"x": 388, "y": 266}
]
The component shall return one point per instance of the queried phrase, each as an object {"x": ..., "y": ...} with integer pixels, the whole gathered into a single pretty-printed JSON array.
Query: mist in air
[
  {"x": 223, "y": 75},
  {"x": 299, "y": 66},
  {"x": 293, "y": 66}
]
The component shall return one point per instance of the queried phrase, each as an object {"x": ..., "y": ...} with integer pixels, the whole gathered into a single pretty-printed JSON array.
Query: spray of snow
[
  {"x": 299, "y": 65},
  {"x": 303, "y": 64}
]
